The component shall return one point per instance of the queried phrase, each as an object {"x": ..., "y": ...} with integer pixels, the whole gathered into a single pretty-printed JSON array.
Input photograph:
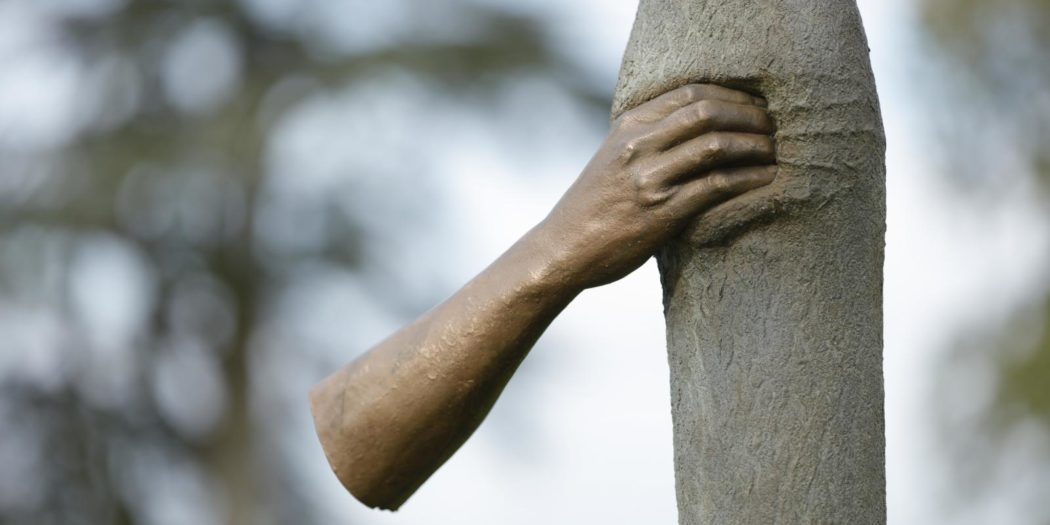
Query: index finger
[{"x": 673, "y": 100}]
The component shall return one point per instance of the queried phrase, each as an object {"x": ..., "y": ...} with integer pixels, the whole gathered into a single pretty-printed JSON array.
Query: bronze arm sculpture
[{"x": 390, "y": 418}]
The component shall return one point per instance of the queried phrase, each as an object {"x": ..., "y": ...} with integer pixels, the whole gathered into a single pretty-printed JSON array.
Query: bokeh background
[{"x": 206, "y": 207}]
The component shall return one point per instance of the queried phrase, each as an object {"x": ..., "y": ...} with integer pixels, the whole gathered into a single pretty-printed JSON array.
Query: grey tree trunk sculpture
[{"x": 774, "y": 300}]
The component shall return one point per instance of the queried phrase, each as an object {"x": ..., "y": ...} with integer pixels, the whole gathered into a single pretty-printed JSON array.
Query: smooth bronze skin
[{"x": 390, "y": 418}]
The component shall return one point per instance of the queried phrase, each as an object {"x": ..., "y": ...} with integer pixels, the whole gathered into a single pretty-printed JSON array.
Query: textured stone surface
[{"x": 774, "y": 301}]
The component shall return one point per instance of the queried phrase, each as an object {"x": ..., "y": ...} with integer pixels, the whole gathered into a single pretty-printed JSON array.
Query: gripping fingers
[
  {"x": 710, "y": 115},
  {"x": 714, "y": 150},
  {"x": 718, "y": 186}
]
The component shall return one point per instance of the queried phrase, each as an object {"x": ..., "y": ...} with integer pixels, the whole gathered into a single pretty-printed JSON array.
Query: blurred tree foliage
[
  {"x": 997, "y": 63},
  {"x": 999, "y": 56},
  {"x": 162, "y": 178},
  {"x": 994, "y": 113}
]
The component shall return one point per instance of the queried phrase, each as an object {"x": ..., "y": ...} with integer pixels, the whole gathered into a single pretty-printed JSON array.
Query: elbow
[{"x": 362, "y": 466}]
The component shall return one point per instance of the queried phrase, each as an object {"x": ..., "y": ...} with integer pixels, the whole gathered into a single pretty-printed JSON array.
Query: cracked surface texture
[{"x": 774, "y": 300}]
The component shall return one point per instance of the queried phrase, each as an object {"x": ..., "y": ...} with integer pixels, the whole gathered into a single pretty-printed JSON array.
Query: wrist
[{"x": 553, "y": 270}]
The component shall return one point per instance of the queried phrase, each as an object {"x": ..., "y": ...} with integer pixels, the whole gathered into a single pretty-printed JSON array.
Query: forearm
[{"x": 392, "y": 417}]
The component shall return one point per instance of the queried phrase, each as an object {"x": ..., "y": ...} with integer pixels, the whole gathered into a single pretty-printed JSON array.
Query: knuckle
[
  {"x": 720, "y": 142},
  {"x": 649, "y": 191},
  {"x": 719, "y": 183},
  {"x": 704, "y": 111},
  {"x": 714, "y": 147},
  {"x": 629, "y": 150},
  {"x": 644, "y": 181}
]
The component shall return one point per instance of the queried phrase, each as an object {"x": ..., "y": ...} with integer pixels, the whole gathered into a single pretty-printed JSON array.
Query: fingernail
[{"x": 761, "y": 102}]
